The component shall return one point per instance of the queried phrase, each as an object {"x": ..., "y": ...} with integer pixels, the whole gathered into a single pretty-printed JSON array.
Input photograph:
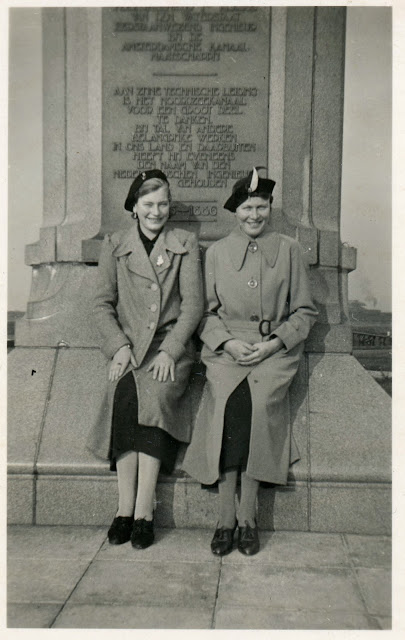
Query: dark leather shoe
[
  {"x": 142, "y": 533},
  {"x": 120, "y": 530},
  {"x": 248, "y": 539},
  {"x": 222, "y": 542}
]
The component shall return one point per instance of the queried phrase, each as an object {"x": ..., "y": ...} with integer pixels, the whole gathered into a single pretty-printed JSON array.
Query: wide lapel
[
  {"x": 166, "y": 245},
  {"x": 137, "y": 259},
  {"x": 269, "y": 244},
  {"x": 238, "y": 247}
]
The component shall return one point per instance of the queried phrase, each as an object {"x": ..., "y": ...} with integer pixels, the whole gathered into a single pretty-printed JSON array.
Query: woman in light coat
[
  {"x": 259, "y": 311},
  {"x": 147, "y": 304}
]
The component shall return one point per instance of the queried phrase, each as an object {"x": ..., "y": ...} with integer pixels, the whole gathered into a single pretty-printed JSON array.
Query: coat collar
[
  {"x": 268, "y": 244},
  {"x": 129, "y": 243}
]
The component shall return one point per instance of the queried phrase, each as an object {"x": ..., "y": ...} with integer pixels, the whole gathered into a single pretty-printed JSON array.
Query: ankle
[{"x": 251, "y": 520}]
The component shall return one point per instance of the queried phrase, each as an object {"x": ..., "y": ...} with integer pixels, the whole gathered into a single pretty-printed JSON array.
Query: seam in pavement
[
  {"x": 353, "y": 568},
  {"x": 41, "y": 430},
  {"x": 77, "y": 583},
  {"x": 214, "y": 611}
]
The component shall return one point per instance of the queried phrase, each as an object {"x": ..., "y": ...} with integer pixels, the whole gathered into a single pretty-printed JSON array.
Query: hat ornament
[{"x": 254, "y": 181}]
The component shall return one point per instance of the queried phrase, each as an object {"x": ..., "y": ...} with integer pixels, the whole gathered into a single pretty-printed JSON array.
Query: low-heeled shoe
[
  {"x": 142, "y": 533},
  {"x": 248, "y": 539},
  {"x": 222, "y": 542},
  {"x": 120, "y": 530}
]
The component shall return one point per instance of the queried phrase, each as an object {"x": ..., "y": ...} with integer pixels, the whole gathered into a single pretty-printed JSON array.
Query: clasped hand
[{"x": 247, "y": 354}]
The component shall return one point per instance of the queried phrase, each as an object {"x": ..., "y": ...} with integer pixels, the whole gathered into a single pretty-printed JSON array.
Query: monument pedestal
[{"x": 341, "y": 417}]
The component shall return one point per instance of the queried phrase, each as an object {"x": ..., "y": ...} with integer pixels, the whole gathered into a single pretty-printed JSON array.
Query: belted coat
[
  {"x": 153, "y": 304},
  {"x": 247, "y": 281}
]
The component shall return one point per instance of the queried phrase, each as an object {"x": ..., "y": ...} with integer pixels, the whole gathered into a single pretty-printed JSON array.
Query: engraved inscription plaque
[{"x": 186, "y": 90}]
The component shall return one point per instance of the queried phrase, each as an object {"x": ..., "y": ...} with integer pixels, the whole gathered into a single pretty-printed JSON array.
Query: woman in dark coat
[
  {"x": 147, "y": 304},
  {"x": 259, "y": 310}
]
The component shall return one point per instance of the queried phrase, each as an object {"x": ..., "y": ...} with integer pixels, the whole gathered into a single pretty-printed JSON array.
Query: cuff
[
  {"x": 173, "y": 347},
  {"x": 288, "y": 334},
  {"x": 111, "y": 346},
  {"x": 214, "y": 338}
]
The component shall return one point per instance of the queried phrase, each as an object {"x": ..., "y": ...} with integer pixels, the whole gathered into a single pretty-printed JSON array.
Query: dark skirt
[
  {"x": 237, "y": 427},
  {"x": 128, "y": 435}
]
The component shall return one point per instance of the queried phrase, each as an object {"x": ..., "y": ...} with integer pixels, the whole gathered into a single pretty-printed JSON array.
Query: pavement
[{"x": 71, "y": 577}]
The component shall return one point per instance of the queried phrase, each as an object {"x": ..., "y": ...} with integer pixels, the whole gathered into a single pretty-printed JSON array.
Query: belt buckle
[{"x": 263, "y": 332}]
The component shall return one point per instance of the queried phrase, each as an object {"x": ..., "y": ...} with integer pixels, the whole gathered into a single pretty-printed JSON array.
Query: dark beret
[
  {"x": 138, "y": 182},
  {"x": 242, "y": 191}
]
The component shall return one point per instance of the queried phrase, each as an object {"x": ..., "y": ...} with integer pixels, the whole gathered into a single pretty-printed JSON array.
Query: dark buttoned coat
[
  {"x": 153, "y": 304},
  {"x": 247, "y": 281}
]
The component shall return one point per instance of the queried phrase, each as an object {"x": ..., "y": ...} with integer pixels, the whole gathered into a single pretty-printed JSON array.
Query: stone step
[{"x": 341, "y": 423}]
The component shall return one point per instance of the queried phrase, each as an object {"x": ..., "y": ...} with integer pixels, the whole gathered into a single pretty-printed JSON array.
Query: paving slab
[
  {"x": 295, "y": 549},
  {"x": 252, "y": 618},
  {"x": 32, "y": 616},
  {"x": 171, "y": 545},
  {"x": 375, "y": 585},
  {"x": 20, "y": 499},
  {"x": 42, "y": 580},
  {"x": 54, "y": 542},
  {"x": 90, "y": 616},
  {"x": 264, "y": 586},
  {"x": 370, "y": 551},
  {"x": 149, "y": 584}
]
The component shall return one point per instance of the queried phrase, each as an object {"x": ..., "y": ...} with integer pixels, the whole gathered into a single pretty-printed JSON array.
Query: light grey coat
[
  {"x": 279, "y": 292},
  {"x": 154, "y": 304}
]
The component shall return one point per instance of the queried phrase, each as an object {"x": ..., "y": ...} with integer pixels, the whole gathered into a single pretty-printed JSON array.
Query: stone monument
[{"x": 204, "y": 93}]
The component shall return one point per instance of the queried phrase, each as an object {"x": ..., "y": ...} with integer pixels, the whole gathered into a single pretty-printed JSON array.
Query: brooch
[{"x": 159, "y": 261}]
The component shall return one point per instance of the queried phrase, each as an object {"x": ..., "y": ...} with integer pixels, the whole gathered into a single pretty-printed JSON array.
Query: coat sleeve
[
  {"x": 191, "y": 305},
  {"x": 105, "y": 302},
  {"x": 212, "y": 330},
  {"x": 302, "y": 310}
]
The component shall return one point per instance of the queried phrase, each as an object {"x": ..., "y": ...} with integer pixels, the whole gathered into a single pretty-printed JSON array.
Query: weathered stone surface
[
  {"x": 78, "y": 388},
  {"x": 50, "y": 580},
  {"x": 54, "y": 542},
  {"x": 351, "y": 508},
  {"x": 370, "y": 551},
  {"x": 93, "y": 616},
  {"x": 20, "y": 499},
  {"x": 186, "y": 584},
  {"x": 282, "y": 588},
  {"x": 375, "y": 585},
  {"x": 349, "y": 422},
  {"x": 284, "y": 507},
  {"x": 295, "y": 549},
  {"x": 31, "y": 616},
  {"x": 29, "y": 375},
  {"x": 84, "y": 500},
  {"x": 229, "y": 617}
]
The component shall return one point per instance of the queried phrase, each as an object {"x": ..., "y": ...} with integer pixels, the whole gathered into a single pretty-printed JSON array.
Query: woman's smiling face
[
  {"x": 253, "y": 215},
  {"x": 152, "y": 210}
]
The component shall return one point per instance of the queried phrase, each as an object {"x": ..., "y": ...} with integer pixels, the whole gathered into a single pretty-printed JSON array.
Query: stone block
[
  {"x": 282, "y": 588},
  {"x": 78, "y": 388},
  {"x": 90, "y": 616},
  {"x": 49, "y": 581},
  {"x": 329, "y": 248},
  {"x": 20, "y": 499},
  {"x": 375, "y": 585},
  {"x": 42, "y": 542},
  {"x": 229, "y": 617},
  {"x": 81, "y": 500},
  {"x": 31, "y": 616},
  {"x": 351, "y": 508},
  {"x": 59, "y": 307},
  {"x": 29, "y": 375},
  {"x": 284, "y": 508},
  {"x": 350, "y": 431},
  {"x": 155, "y": 584},
  {"x": 370, "y": 551},
  {"x": 329, "y": 338},
  {"x": 297, "y": 549}
]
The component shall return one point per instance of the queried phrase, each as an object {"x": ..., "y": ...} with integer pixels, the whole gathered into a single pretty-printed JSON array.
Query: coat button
[
  {"x": 252, "y": 283},
  {"x": 154, "y": 286},
  {"x": 153, "y": 307},
  {"x": 253, "y": 247},
  {"x": 152, "y": 325},
  {"x": 254, "y": 318}
]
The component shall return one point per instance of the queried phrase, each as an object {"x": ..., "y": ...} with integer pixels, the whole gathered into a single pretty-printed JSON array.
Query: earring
[{"x": 134, "y": 216}]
